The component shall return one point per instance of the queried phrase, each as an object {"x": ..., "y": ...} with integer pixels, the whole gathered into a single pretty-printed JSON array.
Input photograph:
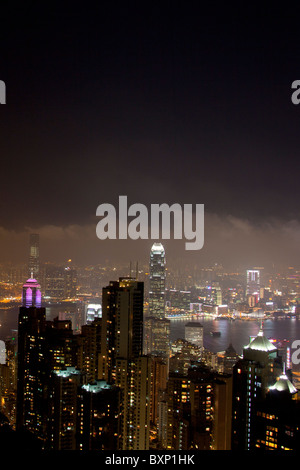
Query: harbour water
[{"x": 237, "y": 332}]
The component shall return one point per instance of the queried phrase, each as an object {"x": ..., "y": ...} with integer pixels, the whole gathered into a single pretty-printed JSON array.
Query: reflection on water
[
  {"x": 238, "y": 332},
  {"x": 235, "y": 332}
]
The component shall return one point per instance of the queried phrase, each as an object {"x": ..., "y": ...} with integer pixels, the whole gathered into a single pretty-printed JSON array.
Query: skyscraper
[
  {"x": 277, "y": 417},
  {"x": 194, "y": 333},
  {"x": 252, "y": 375},
  {"x": 121, "y": 360},
  {"x": 64, "y": 408},
  {"x": 31, "y": 359},
  {"x": 34, "y": 255},
  {"x": 122, "y": 324},
  {"x": 157, "y": 284},
  {"x": 253, "y": 283}
]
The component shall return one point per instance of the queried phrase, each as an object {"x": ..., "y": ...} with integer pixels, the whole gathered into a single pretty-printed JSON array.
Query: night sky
[{"x": 159, "y": 101}]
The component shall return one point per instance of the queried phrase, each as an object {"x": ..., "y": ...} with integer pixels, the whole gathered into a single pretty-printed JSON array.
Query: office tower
[
  {"x": 134, "y": 379},
  {"x": 162, "y": 422},
  {"x": 201, "y": 407},
  {"x": 32, "y": 351},
  {"x": 34, "y": 256},
  {"x": 63, "y": 408},
  {"x": 159, "y": 376},
  {"x": 252, "y": 375},
  {"x": 121, "y": 361},
  {"x": 178, "y": 396},
  {"x": 222, "y": 415},
  {"x": 2, "y": 352},
  {"x": 93, "y": 311},
  {"x": 70, "y": 281},
  {"x": 199, "y": 410},
  {"x": 229, "y": 359},
  {"x": 157, "y": 336},
  {"x": 157, "y": 281},
  {"x": 9, "y": 403},
  {"x": 253, "y": 283},
  {"x": 54, "y": 282},
  {"x": 178, "y": 299},
  {"x": 88, "y": 352},
  {"x": 122, "y": 324},
  {"x": 278, "y": 417},
  {"x": 194, "y": 333},
  {"x": 217, "y": 295},
  {"x": 98, "y": 417},
  {"x": 61, "y": 345}
]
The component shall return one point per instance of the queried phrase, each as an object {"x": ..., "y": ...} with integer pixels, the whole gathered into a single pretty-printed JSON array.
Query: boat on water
[{"x": 215, "y": 333}]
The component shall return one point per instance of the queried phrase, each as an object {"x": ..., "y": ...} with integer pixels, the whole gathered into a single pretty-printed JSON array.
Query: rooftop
[{"x": 261, "y": 343}]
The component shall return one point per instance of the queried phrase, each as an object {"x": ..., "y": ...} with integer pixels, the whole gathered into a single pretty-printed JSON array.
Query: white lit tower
[
  {"x": 253, "y": 283},
  {"x": 157, "y": 283}
]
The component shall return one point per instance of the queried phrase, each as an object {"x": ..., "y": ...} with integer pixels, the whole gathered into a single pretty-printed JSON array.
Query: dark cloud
[{"x": 170, "y": 103}]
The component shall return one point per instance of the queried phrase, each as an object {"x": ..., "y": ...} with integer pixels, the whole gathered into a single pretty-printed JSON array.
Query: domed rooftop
[
  {"x": 283, "y": 384},
  {"x": 261, "y": 343}
]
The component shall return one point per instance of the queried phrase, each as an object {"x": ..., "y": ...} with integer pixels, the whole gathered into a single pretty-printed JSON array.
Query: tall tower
[
  {"x": 157, "y": 281},
  {"x": 122, "y": 324},
  {"x": 253, "y": 282},
  {"x": 34, "y": 255},
  {"x": 31, "y": 361},
  {"x": 252, "y": 376},
  {"x": 121, "y": 359}
]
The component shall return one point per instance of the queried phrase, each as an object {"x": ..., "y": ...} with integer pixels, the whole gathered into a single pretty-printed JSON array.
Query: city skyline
[{"x": 111, "y": 340}]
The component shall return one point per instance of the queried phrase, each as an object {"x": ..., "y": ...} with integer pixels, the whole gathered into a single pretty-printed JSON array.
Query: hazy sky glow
[{"x": 173, "y": 103}]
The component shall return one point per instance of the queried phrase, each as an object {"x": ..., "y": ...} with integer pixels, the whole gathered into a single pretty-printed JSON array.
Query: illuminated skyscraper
[
  {"x": 31, "y": 361},
  {"x": 64, "y": 408},
  {"x": 252, "y": 375},
  {"x": 98, "y": 413},
  {"x": 121, "y": 360},
  {"x": 194, "y": 333},
  {"x": 253, "y": 283},
  {"x": 122, "y": 324},
  {"x": 157, "y": 336},
  {"x": 157, "y": 281},
  {"x": 34, "y": 255}
]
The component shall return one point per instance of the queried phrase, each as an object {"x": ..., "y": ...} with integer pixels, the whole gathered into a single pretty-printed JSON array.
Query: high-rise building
[
  {"x": 199, "y": 410},
  {"x": 157, "y": 336},
  {"x": 122, "y": 324},
  {"x": 157, "y": 281},
  {"x": 98, "y": 417},
  {"x": 54, "y": 282},
  {"x": 31, "y": 390},
  {"x": 34, "y": 255},
  {"x": 159, "y": 376},
  {"x": 278, "y": 416},
  {"x": 121, "y": 359},
  {"x": 88, "y": 351},
  {"x": 194, "y": 333},
  {"x": 92, "y": 312},
  {"x": 252, "y": 376},
  {"x": 70, "y": 281},
  {"x": 253, "y": 283},
  {"x": 61, "y": 344},
  {"x": 63, "y": 429}
]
